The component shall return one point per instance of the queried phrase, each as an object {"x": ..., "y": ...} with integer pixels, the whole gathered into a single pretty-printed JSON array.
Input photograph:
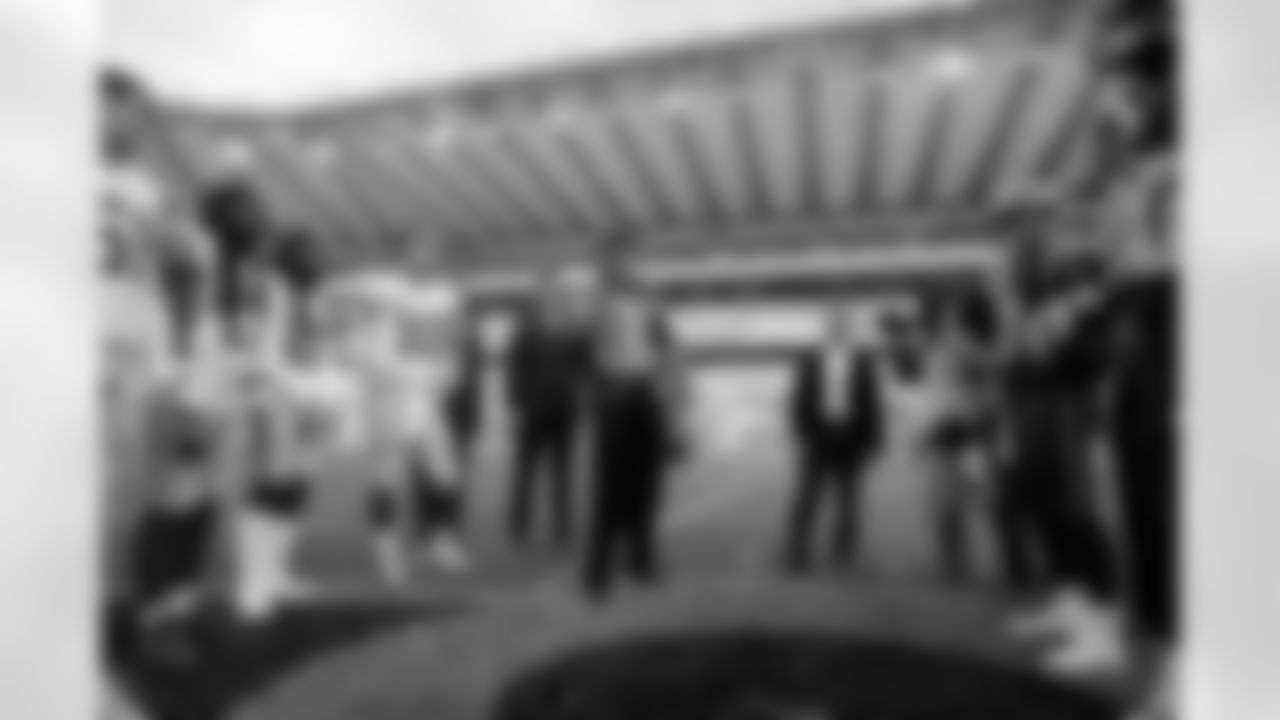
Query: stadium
[{"x": 752, "y": 184}]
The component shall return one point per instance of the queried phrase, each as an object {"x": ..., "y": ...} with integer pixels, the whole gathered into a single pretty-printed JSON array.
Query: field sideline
[{"x": 446, "y": 649}]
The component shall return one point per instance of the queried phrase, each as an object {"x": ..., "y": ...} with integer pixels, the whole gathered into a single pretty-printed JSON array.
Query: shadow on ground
[
  {"x": 235, "y": 663},
  {"x": 752, "y": 675}
]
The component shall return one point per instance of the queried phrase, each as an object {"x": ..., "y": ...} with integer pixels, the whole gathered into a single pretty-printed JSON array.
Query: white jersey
[
  {"x": 178, "y": 407},
  {"x": 201, "y": 381},
  {"x": 131, "y": 205},
  {"x": 139, "y": 221},
  {"x": 134, "y": 343},
  {"x": 405, "y": 350},
  {"x": 140, "y": 366},
  {"x": 137, "y": 339},
  {"x": 407, "y": 414},
  {"x": 302, "y": 411}
]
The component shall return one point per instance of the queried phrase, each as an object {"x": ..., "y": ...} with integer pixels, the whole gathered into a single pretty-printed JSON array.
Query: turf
[
  {"x": 462, "y": 647},
  {"x": 755, "y": 675}
]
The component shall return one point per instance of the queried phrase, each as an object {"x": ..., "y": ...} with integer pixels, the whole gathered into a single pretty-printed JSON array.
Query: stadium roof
[{"x": 892, "y": 130}]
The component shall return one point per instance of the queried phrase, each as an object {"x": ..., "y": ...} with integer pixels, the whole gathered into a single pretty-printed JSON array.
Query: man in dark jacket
[
  {"x": 1056, "y": 377},
  {"x": 466, "y": 400},
  {"x": 1111, "y": 373},
  {"x": 836, "y": 419},
  {"x": 550, "y": 363},
  {"x": 638, "y": 400}
]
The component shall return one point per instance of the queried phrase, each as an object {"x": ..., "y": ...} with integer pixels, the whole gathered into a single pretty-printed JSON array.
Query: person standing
[
  {"x": 1142, "y": 69},
  {"x": 296, "y": 403},
  {"x": 1022, "y": 540},
  {"x": 548, "y": 374},
  {"x": 1146, "y": 446},
  {"x": 391, "y": 404},
  {"x": 466, "y": 397},
  {"x": 162, "y": 396},
  {"x": 151, "y": 228},
  {"x": 248, "y": 243},
  {"x": 1142, "y": 310},
  {"x": 164, "y": 585},
  {"x": 959, "y": 444},
  {"x": 277, "y": 486},
  {"x": 434, "y": 348},
  {"x": 636, "y": 405},
  {"x": 407, "y": 360},
  {"x": 1026, "y": 426},
  {"x": 836, "y": 422},
  {"x": 1059, "y": 380}
]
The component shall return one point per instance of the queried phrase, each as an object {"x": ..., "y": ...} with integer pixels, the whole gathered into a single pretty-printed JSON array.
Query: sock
[{"x": 264, "y": 557}]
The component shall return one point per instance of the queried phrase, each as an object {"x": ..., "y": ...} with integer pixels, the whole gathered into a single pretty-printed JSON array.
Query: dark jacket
[
  {"x": 658, "y": 394},
  {"x": 1144, "y": 324},
  {"x": 465, "y": 402},
  {"x": 548, "y": 371},
  {"x": 1120, "y": 358},
  {"x": 859, "y": 431},
  {"x": 1113, "y": 371}
]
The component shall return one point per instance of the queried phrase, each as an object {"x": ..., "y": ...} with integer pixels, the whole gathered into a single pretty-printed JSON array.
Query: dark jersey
[{"x": 1146, "y": 392}]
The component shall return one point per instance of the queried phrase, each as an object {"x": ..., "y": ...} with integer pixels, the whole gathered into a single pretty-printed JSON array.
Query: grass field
[{"x": 446, "y": 650}]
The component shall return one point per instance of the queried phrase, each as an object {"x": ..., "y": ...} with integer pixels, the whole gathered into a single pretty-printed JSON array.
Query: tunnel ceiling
[{"x": 904, "y": 128}]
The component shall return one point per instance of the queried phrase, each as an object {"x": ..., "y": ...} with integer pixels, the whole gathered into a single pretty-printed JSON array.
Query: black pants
[
  {"x": 1046, "y": 508},
  {"x": 283, "y": 496},
  {"x": 631, "y": 454},
  {"x": 1149, "y": 500},
  {"x": 159, "y": 683},
  {"x": 1022, "y": 541},
  {"x": 171, "y": 550},
  {"x": 826, "y": 478},
  {"x": 429, "y": 508},
  {"x": 1070, "y": 539},
  {"x": 544, "y": 467},
  {"x": 463, "y": 411},
  {"x": 437, "y": 505},
  {"x": 954, "y": 445}
]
